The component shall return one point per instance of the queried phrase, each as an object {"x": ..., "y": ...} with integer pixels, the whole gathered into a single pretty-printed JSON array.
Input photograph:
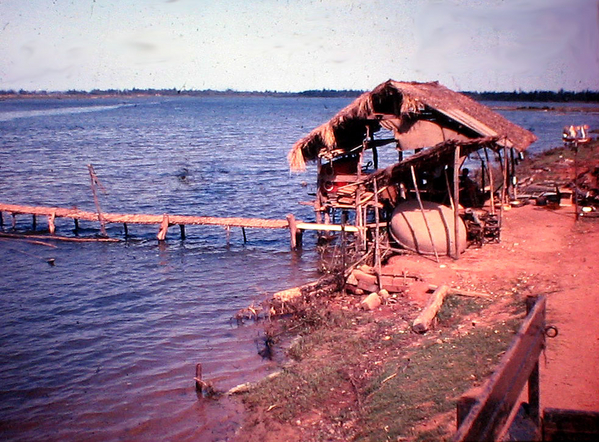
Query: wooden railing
[{"x": 487, "y": 416}]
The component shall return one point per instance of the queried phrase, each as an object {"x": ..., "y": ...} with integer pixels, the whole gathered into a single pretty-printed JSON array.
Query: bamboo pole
[
  {"x": 430, "y": 233},
  {"x": 491, "y": 183},
  {"x": 456, "y": 196},
  {"x": 377, "y": 240}
]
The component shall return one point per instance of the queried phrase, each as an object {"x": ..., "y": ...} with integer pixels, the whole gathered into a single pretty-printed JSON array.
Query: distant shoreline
[{"x": 535, "y": 96}]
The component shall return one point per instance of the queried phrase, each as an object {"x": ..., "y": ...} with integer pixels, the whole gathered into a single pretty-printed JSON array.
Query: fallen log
[
  {"x": 461, "y": 292},
  {"x": 426, "y": 317}
]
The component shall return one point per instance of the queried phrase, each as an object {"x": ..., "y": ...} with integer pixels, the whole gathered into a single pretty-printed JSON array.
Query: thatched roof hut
[{"x": 420, "y": 115}]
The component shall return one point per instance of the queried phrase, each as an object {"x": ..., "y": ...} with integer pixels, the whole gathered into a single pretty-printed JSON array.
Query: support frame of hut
[{"x": 443, "y": 128}]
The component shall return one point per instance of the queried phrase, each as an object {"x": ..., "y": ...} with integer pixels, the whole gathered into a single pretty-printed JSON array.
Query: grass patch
[
  {"x": 437, "y": 374},
  {"x": 369, "y": 378}
]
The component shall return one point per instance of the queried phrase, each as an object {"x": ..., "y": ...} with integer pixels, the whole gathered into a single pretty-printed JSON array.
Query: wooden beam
[
  {"x": 325, "y": 227},
  {"x": 456, "y": 202},
  {"x": 144, "y": 219},
  {"x": 489, "y": 416}
]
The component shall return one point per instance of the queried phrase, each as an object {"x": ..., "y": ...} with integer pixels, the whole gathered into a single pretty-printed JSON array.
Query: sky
[{"x": 296, "y": 45}]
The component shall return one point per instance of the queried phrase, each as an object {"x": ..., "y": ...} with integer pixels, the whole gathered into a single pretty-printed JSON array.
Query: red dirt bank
[{"x": 544, "y": 252}]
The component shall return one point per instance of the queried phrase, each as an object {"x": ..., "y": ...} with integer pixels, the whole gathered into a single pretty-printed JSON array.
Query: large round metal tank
[{"x": 409, "y": 229}]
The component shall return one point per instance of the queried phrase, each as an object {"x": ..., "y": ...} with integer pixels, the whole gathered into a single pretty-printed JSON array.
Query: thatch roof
[{"x": 418, "y": 114}]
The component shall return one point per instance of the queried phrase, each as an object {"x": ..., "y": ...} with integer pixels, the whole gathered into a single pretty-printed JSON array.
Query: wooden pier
[{"x": 164, "y": 221}]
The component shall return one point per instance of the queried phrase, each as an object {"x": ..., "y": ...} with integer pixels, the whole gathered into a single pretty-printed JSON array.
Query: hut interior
[{"x": 433, "y": 136}]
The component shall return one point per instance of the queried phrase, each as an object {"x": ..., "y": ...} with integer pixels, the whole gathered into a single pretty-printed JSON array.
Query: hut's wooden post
[
  {"x": 430, "y": 233},
  {"x": 294, "y": 233},
  {"x": 245, "y": 239},
  {"x": 163, "y": 228},
  {"x": 318, "y": 199},
  {"x": 14, "y": 221},
  {"x": 51, "y": 225},
  {"x": 504, "y": 193},
  {"x": 377, "y": 240},
  {"x": 359, "y": 221},
  {"x": 126, "y": 228},
  {"x": 456, "y": 200},
  {"x": 1, "y": 220},
  {"x": 491, "y": 183},
  {"x": 76, "y": 225},
  {"x": 182, "y": 228},
  {"x": 33, "y": 223}
]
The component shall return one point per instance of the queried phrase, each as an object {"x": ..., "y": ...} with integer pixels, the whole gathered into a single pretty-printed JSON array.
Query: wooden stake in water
[{"x": 95, "y": 183}]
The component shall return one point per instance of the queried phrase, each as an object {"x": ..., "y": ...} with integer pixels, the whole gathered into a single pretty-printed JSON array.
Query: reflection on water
[{"x": 103, "y": 344}]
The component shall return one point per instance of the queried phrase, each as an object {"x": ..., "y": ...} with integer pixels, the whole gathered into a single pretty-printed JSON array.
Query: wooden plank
[
  {"x": 325, "y": 227},
  {"x": 144, "y": 219},
  {"x": 490, "y": 414}
]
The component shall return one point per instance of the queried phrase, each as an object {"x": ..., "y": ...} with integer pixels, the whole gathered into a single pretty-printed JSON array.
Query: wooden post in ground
[
  {"x": 377, "y": 239},
  {"x": 456, "y": 202},
  {"x": 491, "y": 183},
  {"x": 465, "y": 404},
  {"x": 33, "y": 222},
  {"x": 245, "y": 238},
  {"x": 428, "y": 228},
  {"x": 126, "y": 229},
  {"x": 76, "y": 225},
  {"x": 182, "y": 228},
  {"x": 534, "y": 393},
  {"x": 14, "y": 221},
  {"x": 1, "y": 220},
  {"x": 163, "y": 228}
]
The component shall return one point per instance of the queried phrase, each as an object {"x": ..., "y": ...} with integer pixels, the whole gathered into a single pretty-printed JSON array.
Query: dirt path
[
  {"x": 541, "y": 252},
  {"x": 546, "y": 252}
]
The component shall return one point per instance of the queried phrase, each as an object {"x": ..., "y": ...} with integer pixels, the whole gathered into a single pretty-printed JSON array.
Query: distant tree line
[
  {"x": 184, "y": 92},
  {"x": 560, "y": 96},
  {"x": 538, "y": 96}
]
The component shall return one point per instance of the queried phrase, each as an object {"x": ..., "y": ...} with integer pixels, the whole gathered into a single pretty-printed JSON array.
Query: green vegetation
[
  {"x": 359, "y": 377},
  {"x": 560, "y": 96}
]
